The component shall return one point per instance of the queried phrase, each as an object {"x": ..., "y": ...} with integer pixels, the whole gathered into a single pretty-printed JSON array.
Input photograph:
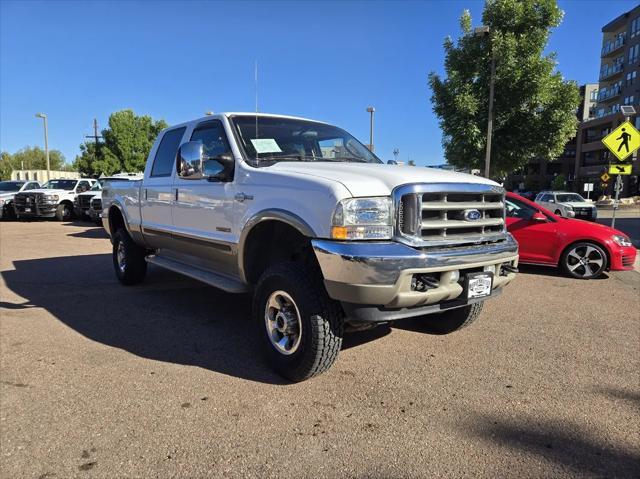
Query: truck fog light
[
  {"x": 455, "y": 276},
  {"x": 490, "y": 269}
]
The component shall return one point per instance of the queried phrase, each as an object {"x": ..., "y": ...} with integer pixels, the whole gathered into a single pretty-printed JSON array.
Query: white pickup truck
[
  {"x": 54, "y": 200},
  {"x": 324, "y": 234}
]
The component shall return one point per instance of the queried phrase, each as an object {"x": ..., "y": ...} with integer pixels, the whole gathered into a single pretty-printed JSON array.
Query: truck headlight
[
  {"x": 621, "y": 240},
  {"x": 363, "y": 219},
  {"x": 51, "y": 197}
]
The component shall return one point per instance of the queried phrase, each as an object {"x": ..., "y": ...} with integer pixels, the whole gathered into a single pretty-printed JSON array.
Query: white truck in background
[
  {"x": 54, "y": 200},
  {"x": 324, "y": 234}
]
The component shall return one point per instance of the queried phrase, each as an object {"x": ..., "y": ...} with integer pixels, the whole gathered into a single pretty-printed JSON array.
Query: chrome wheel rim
[
  {"x": 121, "y": 257},
  {"x": 585, "y": 261},
  {"x": 282, "y": 320}
]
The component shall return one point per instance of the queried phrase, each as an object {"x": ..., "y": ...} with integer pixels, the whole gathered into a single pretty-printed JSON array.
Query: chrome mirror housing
[{"x": 190, "y": 159}]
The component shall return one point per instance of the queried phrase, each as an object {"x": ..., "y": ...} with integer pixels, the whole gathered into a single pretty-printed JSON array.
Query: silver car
[{"x": 567, "y": 204}]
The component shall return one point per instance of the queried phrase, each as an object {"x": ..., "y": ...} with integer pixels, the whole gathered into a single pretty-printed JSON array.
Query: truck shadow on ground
[
  {"x": 576, "y": 450},
  {"x": 167, "y": 318}
]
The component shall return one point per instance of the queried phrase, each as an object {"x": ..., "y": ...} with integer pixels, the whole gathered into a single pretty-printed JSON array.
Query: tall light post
[
  {"x": 484, "y": 31},
  {"x": 371, "y": 111},
  {"x": 46, "y": 142}
]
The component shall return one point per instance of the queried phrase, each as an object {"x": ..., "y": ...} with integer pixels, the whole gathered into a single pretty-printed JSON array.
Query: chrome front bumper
[{"x": 381, "y": 273}]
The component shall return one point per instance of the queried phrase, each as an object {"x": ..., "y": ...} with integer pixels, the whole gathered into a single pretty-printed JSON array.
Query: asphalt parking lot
[{"x": 162, "y": 380}]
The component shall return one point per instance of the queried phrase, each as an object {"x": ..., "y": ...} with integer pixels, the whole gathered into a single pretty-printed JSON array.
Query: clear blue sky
[{"x": 176, "y": 60}]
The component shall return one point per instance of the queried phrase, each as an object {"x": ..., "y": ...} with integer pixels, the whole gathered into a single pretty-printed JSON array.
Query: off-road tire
[
  {"x": 453, "y": 319},
  {"x": 60, "y": 216},
  {"x": 321, "y": 318},
  {"x": 135, "y": 267}
]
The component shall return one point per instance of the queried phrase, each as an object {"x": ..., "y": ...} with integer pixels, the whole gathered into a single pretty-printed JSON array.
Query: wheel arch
[{"x": 270, "y": 224}]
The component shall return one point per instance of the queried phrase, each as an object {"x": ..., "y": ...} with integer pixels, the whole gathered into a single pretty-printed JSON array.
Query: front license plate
[
  {"x": 27, "y": 210},
  {"x": 479, "y": 285}
]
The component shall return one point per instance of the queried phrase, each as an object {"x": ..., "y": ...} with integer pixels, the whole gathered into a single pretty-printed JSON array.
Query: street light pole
[
  {"x": 46, "y": 143},
  {"x": 482, "y": 32},
  {"x": 371, "y": 111}
]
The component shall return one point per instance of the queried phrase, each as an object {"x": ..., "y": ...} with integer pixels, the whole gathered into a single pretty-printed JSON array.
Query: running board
[{"x": 224, "y": 283}]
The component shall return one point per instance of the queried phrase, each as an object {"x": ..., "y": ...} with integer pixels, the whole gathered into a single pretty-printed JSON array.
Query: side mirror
[
  {"x": 219, "y": 168},
  {"x": 189, "y": 160},
  {"x": 392, "y": 162},
  {"x": 551, "y": 200},
  {"x": 539, "y": 218}
]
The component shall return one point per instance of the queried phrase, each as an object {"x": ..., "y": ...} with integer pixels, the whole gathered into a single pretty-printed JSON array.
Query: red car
[{"x": 582, "y": 249}]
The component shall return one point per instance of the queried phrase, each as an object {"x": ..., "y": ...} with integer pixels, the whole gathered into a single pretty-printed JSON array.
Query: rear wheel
[
  {"x": 584, "y": 260},
  {"x": 63, "y": 212},
  {"x": 128, "y": 259},
  {"x": 453, "y": 319},
  {"x": 300, "y": 327}
]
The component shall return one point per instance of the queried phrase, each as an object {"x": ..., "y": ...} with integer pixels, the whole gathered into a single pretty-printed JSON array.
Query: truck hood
[
  {"x": 579, "y": 204},
  {"x": 49, "y": 192},
  {"x": 376, "y": 179}
]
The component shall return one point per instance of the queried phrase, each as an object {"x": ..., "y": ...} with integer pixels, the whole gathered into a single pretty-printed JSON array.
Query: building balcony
[
  {"x": 608, "y": 95},
  {"x": 612, "y": 72},
  {"x": 612, "y": 47}
]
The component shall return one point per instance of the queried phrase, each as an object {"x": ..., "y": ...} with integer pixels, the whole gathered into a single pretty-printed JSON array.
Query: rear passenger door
[{"x": 157, "y": 192}]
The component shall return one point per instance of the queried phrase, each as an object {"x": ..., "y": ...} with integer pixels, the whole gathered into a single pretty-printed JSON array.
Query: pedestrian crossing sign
[{"x": 623, "y": 141}]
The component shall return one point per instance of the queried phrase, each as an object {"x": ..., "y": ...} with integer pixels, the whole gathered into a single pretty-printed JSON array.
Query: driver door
[
  {"x": 537, "y": 240},
  {"x": 203, "y": 209}
]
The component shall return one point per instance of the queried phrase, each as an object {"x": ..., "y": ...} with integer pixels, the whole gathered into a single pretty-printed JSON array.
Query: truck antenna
[{"x": 256, "y": 88}]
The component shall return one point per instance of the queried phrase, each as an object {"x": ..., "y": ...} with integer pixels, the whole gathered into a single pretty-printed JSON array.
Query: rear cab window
[{"x": 166, "y": 155}]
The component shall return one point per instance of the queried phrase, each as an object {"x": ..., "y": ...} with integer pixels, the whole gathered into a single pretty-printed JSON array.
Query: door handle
[
  {"x": 176, "y": 194},
  {"x": 241, "y": 197}
]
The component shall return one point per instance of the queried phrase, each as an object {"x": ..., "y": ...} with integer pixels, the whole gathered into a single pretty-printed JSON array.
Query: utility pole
[
  {"x": 96, "y": 137},
  {"x": 371, "y": 111},
  {"x": 46, "y": 143},
  {"x": 484, "y": 31},
  {"x": 396, "y": 152}
]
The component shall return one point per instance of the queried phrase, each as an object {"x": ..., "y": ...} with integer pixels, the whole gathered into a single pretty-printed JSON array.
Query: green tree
[
  {"x": 35, "y": 158},
  {"x": 559, "y": 182},
  {"x": 6, "y": 165},
  {"x": 534, "y": 108},
  {"x": 127, "y": 142}
]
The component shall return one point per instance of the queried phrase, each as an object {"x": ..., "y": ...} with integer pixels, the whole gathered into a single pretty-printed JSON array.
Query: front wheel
[
  {"x": 300, "y": 327},
  {"x": 584, "y": 260},
  {"x": 63, "y": 212},
  {"x": 558, "y": 213},
  {"x": 128, "y": 259},
  {"x": 452, "y": 319}
]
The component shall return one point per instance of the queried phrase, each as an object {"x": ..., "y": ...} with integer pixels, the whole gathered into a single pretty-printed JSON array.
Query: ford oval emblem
[{"x": 472, "y": 215}]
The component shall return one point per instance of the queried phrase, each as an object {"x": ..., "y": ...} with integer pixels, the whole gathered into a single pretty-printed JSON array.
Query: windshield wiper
[{"x": 355, "y": 159}]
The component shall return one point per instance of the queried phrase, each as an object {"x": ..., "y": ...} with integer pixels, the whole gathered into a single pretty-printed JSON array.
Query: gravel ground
[{"x": 162, "y": 380}]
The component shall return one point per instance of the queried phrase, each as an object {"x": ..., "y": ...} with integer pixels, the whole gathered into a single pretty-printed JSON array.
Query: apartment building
[{"x": 618, "y": 85}]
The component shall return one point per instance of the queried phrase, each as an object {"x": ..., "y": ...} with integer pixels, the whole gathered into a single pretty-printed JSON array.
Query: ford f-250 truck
[{"x": 324, "y": 234}]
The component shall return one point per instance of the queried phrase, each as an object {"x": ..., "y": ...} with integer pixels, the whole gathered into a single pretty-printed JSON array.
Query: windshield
[
  {"x": 569, "y": 197},
  {"x": 59, "y": 185},
  {"x": 97, "y": 186},
  {"x": 11, "y": 185},
  {"x": 289, "y": 139}
]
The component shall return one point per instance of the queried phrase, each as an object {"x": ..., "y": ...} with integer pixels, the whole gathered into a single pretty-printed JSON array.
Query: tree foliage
[
  {"x": 30, "y": 158},
  {"x": 125, "y": 146},
  {"x": 534, "y": 108},
  {"x": 559, "y": 182}
]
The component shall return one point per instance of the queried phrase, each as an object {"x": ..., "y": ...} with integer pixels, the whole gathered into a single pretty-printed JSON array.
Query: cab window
[
  {"x": 518, "y": 209},
  {"x": 166, "y": 154},
  {"x": 214, "y": 142}
]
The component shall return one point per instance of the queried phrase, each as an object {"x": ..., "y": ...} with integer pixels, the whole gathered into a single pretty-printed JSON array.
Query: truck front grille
[
  {"x": 449, "y": 213},
  {"x": 84, "y": 201},
  {"x": 96, "y": 204},
  {"x": 28, "y": 200}
]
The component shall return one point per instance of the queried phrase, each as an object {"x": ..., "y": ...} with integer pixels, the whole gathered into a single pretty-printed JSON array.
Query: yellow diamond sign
[
  {"x": 622, "y": 141},
  {"x": 620, "y": 169}
]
